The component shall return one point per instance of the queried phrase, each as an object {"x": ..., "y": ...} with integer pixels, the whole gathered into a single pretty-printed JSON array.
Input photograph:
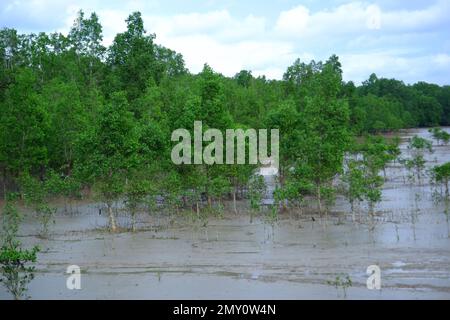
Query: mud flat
[{"x": 233, "y": 258}]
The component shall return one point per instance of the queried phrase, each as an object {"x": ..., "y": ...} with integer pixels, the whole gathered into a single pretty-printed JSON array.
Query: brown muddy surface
[{"x": 229, "y": 257}]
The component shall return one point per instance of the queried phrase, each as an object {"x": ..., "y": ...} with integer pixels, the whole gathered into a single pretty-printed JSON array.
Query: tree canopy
[{"x": 104, "y": 116}]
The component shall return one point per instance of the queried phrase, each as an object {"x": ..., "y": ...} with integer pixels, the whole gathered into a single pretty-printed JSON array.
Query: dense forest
[{"x": 79, "y": 118}]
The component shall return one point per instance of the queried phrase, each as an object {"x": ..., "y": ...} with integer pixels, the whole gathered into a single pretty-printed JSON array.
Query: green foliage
[
  {"x": 362, "y": 179},
  {"x": 419, "y": 105},
  {"x": 132, "y": 58},
  {"x": 136, "y": 191},
  {"x": 417, "y": 165},
  {"x": 173, "y": 190},
  {"x": 355, "y": 182},
  {"x": 11, "y": 219},
  {"x": 78, "y": 116},
  {"x": 440, "y": 135},
  {"x": 324, "y": 135},
  {"x": 419, "y": 144},
  {"x": 257, "y": 190},
  {"x": 16, "y": 263},
  {"x": 16, "y": 268},
  {"x": 24, "y": 125},
  {"x": 417, "y": 147},
  {"x": 342, "y": 281},
  {"x": 36, "y": 194},
  {"x": 442, "y": 175},
  {"x": 220, "y": 186},
  {"x": 381, "y": 114}
]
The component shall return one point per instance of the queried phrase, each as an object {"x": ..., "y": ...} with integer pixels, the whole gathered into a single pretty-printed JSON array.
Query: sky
[{"x": 404, "y": 39}]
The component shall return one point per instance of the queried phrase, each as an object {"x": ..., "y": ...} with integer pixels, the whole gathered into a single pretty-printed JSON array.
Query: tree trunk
[
  {"x": 353, "y": 211},
  {"x": 446, "y": 189},
  {"x": 319, "y": 201},
  {"x": 234, "y": 202},
  {"x": 133, "y": 221},
  {"x": 300, "y": 211},
  {"x": 4, "y": 183},
  {"x": 42, "y": 173},
  {"x": 359, "y": 212},
  {"x": 198, "y": 211},
  {"x": 112, "y": 218},
  {"x": 372, "y": 217}
]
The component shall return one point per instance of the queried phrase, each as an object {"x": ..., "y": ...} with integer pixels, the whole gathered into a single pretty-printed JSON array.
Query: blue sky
[{"x": 405, "y": 39}]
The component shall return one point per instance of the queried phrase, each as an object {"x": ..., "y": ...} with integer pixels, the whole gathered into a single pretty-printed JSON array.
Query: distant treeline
[{"x": 104, "y": 116}]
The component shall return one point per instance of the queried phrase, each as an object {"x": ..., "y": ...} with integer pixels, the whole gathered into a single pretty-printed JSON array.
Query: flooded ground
[{"x": 229, "y": 257}]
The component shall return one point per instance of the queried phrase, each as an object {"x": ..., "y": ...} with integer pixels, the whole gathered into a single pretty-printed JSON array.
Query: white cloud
[
  {"x": 369, "y": 36},
  {"x": 230, "y": 58},
  {"x": 113, "y": 22},
  {"x": 293, "y": 21},
  {"x": 410, "y": 20},
  {"x": 219, "y": 24},
  {"x": 349, "y": 18},
  {"x": 226, "y": 43},
  {"x": 442, "y": 60},
  {"x": 230, "y": 44},
  {"x": 357, "y": 18},
  {"x": 358, "y": 67},
  {"x": 373, "y": 21}
]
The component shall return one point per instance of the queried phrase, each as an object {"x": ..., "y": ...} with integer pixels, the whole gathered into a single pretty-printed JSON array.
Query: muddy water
[{"x": 233, "y": 258}]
